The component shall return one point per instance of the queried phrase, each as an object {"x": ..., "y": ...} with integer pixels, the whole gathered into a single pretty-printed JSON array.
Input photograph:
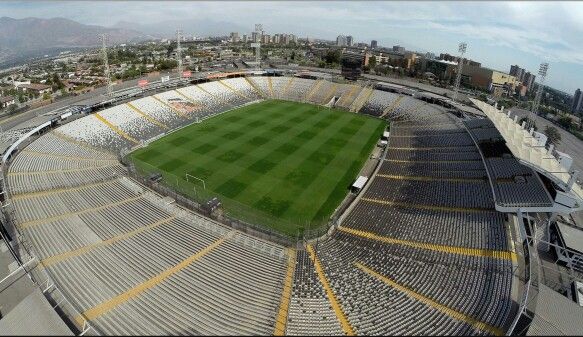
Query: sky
[{"x": 498, "y": 33}]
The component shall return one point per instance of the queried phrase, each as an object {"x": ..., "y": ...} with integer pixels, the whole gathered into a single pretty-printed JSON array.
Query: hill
[{"x": 29, "y": 37}]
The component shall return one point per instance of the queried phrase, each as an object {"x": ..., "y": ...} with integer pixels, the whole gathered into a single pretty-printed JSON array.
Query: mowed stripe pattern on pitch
[{"x": 292, "y": 161}]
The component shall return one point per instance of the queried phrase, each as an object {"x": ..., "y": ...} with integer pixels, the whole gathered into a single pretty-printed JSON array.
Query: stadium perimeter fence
[{"x": 194, "y": 196}]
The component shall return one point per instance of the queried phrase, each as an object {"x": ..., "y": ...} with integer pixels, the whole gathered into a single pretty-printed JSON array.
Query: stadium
[{"x": 227, "y": 206}]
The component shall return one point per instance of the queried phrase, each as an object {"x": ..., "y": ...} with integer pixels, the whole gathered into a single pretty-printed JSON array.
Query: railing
[{"x": 25, "y": 251}]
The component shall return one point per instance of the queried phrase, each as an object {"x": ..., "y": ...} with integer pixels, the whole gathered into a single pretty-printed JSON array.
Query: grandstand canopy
[
  {"x": 555, "y": 315},
  {"x": 572, "y": 237},
  {"x": 34, "y": 316}
]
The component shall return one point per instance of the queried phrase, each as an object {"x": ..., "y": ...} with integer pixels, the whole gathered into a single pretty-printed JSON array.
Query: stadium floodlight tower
[
  {"x": 458, "y": 77},
  {"x": 179, "y": 52},
  {"x": 257, "y": 44},
  {"x": 542, "y": 72},
  {"x": 103, "y": 38}
]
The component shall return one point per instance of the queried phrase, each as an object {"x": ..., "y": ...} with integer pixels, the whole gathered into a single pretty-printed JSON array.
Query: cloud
[{"x": 551, "y": 31}]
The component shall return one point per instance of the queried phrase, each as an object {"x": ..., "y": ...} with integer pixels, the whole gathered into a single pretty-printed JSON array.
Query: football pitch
[{"x": 280, "y": 164}]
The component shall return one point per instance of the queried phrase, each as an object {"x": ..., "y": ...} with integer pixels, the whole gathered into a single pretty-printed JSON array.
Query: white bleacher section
[
  {"x": 92, "y": 131},
  {"x": 131, "y": 122},
  {"x": 161, "y": 269},
  {"x": 242, "y": 87},
  {"x": 159, "y": 111},
  {"x": 298, "y": 89},
  {"x": 378, "y": 102},
  {"x": 115, "y": 236},
  {"x": 279, "y": 85},
  {"x": 223, "y": 94},
  {"x": 262, "y": 83}
]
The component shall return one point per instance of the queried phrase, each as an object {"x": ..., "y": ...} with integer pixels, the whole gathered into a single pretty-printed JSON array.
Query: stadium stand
[{"x": 422, "y": 250}]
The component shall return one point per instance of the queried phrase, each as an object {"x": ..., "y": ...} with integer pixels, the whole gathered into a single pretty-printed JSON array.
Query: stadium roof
[
  {"x": 555, "y": 315},
  {"x": 33, "y": 316},
  {"x": 573, "y": 237}
]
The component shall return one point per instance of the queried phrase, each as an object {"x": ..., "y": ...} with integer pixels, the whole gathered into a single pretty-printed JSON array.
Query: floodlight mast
[
  {"x": 458, "y": 77},
  {"x": 179, "y": 51},
  {"x": 542, "y": 72},
  {"x": 259, "y": 31},
  {"x": 103, "y": 38}
]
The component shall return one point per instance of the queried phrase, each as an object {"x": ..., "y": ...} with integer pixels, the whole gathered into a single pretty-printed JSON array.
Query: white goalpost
[{"x": 197, "y": 178}]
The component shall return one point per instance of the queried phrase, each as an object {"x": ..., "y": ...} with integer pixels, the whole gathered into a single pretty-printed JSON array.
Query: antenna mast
[
  {"x": 542, "y": 72},
  {"x": 179, "y": 51},
  {"x": 103, "y": 38}
]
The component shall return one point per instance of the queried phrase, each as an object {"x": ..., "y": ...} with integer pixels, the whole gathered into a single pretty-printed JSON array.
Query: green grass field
[{"x": 276, "y": 163}]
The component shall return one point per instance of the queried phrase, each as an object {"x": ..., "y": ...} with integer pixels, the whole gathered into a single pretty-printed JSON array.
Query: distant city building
[
  {"x": 518, "y": 72},
  {"x": 373, "y": 44},
  {"x": 245, "y": 38},
  {"x": 293, "y": 38},
  {"x": 430, "y": 56},
  {"x": 398, "y": 49},
  {"x": 36, "y": 88},
  {"x": 255, "y": 37},
  {"x": 277, "y": 38},
  {"x": 6, "y": 101},
  {"x": 577, "y": 102},
  {"x": 528, "y": 80},
  {"x": 234, "y": 37},
  {"x": 349, "y": 40},
  {"x": 341, "y": 40},
  {"x": 497, "y": 82},
  {"x": 265, "y": 39}
]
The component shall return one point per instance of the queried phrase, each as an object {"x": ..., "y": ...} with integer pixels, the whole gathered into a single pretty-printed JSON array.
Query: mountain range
[{"x": 21, "y": 39}]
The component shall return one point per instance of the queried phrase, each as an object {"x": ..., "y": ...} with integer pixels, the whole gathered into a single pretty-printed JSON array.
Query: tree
[
  {"x": 46, "y": 96},
  {"x": 565, "y": 122},
  {"x": 333, "y": 56},
  {"x": 372, "y": 61},
  {"x": 553, "y": 134},
  {"x": 12, "y": 109}
]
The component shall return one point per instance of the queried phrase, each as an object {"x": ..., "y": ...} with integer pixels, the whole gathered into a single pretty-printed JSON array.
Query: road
[
  {"x": 407, "y": 82},
  {"x": 12, "y": 122}
]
